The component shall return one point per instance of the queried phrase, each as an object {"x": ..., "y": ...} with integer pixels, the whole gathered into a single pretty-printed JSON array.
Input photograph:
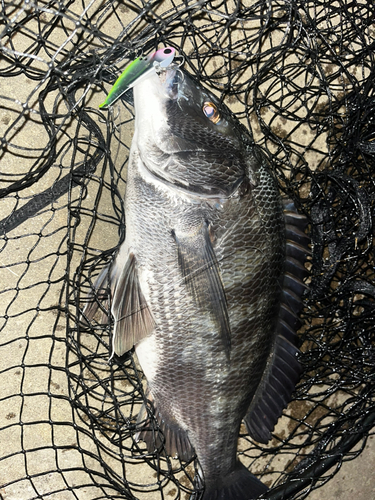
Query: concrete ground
[
  {"x": 36, "y": 438},
  {"x": 354, "y": 481}
]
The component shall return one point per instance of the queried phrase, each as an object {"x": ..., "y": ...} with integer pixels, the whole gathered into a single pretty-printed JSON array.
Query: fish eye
[{"x": 210, "y": 110}]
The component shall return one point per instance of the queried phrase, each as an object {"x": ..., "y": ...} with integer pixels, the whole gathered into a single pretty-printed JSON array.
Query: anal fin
[{"x": 175, "y": 440}]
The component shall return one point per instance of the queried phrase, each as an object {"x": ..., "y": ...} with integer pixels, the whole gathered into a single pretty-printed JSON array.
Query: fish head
[
  {"x": 187, "y": 137},
  {"x": 180, "y": 114}
]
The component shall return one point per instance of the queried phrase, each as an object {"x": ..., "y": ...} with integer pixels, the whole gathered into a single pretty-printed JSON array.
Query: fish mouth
[{"x": 171, "y": 79}]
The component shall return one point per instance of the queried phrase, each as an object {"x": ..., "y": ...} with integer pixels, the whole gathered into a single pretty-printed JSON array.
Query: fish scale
[
  {"x": 194, "y": 371},
  {"x": 198, "y": 284}
]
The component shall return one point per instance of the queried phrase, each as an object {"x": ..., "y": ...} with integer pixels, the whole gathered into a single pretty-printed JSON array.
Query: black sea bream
[{"x": 198, "y": 285}]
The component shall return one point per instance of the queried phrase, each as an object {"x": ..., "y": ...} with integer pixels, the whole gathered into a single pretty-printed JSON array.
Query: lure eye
[{"x": 210, "y": 110}]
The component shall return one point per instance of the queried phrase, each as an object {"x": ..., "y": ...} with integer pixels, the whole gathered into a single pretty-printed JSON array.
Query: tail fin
[{"x": 238, "y": 485}]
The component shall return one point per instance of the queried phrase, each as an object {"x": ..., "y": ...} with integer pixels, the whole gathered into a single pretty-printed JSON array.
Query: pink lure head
[{"x": 138, "y": 70}]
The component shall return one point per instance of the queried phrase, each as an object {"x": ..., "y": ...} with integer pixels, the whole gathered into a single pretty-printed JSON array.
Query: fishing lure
[{"x": 137, "y": 71}]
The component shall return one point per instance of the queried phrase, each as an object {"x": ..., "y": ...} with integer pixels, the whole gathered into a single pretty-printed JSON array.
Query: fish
[{"x": 208, "y": 283}]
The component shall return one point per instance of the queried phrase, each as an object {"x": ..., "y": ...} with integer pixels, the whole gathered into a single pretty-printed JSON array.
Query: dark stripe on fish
[{"x": 200, "y": 270}]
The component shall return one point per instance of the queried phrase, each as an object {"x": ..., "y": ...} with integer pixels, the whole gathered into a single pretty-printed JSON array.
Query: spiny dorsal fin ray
[
  {"x": 283, "y": 371},
  {"x": 292, "y": 216},
  {"x": 293, "y": 283},
  {"x": 297, "y": 249},
  {"x": 287, "y": 315},
  {"x": 296, "y": 268},
  {"x": 200, "y": 270},
  {"x": 293, "y": 233}
]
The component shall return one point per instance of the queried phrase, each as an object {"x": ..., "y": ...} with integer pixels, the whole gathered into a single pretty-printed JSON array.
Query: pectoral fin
[
  {"x": 201, "y": 273},
  {"x": 97, "y": 299},
  {"x": 133, "y": 318}
]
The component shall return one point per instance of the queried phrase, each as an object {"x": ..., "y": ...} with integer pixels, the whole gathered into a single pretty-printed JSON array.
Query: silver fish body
[{"x": 197, "y": 283}]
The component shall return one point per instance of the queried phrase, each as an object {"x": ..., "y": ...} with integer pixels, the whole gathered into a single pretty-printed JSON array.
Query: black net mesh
[{"x": 301, "y": 74}]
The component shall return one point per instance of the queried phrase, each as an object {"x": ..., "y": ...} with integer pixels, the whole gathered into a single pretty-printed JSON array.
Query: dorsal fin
[
  {"x": 275, "y": 390},
  {"x": 297, "y": 249},
  {"x": 283, "y": 370}
]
